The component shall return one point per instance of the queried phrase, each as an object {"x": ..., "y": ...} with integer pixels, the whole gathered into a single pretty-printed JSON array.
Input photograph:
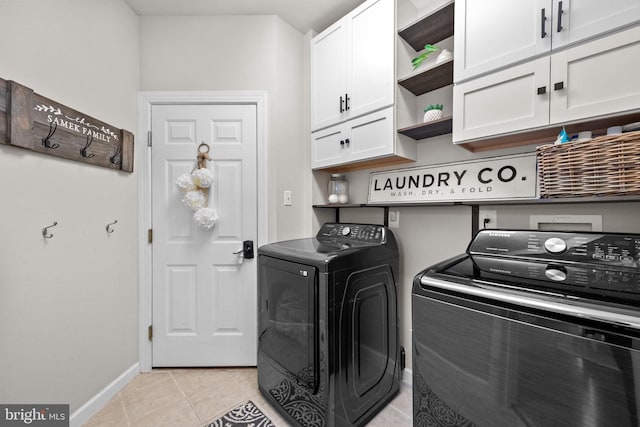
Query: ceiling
[{"x": 304, "y": 15}]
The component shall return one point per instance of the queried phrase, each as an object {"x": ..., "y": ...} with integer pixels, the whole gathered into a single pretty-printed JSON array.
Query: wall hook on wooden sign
[
  {"x": 108, "y": 227},
  {"x": 46, "y": 141},
  {"x": 83, "y": 151},
  {"x": 116, "y": 159},
  {"x": 45, "y": 230}
]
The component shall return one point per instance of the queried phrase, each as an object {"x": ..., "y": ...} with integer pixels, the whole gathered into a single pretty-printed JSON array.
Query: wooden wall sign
[
  {"x": 29, "y": 120},
  {"x": 510, "y": 177}
]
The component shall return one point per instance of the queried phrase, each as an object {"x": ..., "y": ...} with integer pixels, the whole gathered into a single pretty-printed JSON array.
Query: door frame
[{"x": 143, "y": 155}]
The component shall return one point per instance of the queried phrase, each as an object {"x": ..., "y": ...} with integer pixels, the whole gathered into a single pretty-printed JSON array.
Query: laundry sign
[
  {"x": 29, "y": 120},
  {"x": 496, "y": 178}
]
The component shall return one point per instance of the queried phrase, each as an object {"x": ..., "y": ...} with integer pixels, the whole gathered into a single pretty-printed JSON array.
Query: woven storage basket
[{"x": 605, "y": 166}]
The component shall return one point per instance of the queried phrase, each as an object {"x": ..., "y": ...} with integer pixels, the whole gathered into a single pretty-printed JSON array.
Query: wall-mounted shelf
[
  {"x": 558, "y": 200},
  {"x": 428, "y": 129},
  {"x": 429, "y": 79},
  {"x": 430, "y": 29},
  {"x": 475, "y": 206}
]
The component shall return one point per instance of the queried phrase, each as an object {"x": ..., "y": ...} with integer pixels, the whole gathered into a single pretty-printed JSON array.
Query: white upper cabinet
[
  {"x": 328, "y": 75},
  {"x": 583, "y": 19},
  {"x": 502, "y": 102},
  {"x": 593, "y": 79},
  {"x": 366, "y": 137},
  {"x": 352, "y": 65},
  {"x": 492, "y": 34},
  {"x": 596, "y": 78}
]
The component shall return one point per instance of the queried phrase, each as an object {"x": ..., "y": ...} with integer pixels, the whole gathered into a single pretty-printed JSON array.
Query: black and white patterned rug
[{"x": 245, "y": 415}]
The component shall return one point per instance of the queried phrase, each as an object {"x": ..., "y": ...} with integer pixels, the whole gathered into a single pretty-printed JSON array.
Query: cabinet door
[
  {"x": 329, "y": 147},
  {"x": 597, "y": 78},
  {"x": 509, "y": 100},
  {"x": 328, "y": 75},
  {"x": 491, "y": 34},
  {"x": 582, "y": 19},
  {"x": 371, "y": 60},
  {"x": 372, "y": 135}
]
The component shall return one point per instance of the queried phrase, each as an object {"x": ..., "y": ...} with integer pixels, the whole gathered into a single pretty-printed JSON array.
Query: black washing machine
[
  {"x": 530, "y": 328},
  {"x": 328, "y": 352}
]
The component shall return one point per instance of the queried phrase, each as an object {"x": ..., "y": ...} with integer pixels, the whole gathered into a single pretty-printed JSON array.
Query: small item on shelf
[
  {"x": 428, "y": 49},
  {"x": 584, "y": 136},
  {"x": 445, "y": 55},
  {"x": 432, "y": 112},
  {"x": 562, "y": 137},
  {"x": 631, "y": 127},
  {"x": 614, "y": 130},
  {"x": 338, "y": 189}
]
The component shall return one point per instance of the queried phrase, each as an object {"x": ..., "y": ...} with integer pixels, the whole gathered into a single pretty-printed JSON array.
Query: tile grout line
[{"x": 188, "y": 400}]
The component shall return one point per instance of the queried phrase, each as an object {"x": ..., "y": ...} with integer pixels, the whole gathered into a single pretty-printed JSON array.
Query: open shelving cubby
[{"x": 429, "y": 29}]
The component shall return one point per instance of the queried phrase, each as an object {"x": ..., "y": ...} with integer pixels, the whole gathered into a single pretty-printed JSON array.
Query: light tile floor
[{"x": 196, "y": 397}]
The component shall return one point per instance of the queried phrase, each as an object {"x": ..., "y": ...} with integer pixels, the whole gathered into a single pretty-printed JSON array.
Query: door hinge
[
  {"x": 150, "y": 235},
  {"x": 149, "y": 138},
  {"x": 150, "y": 332}
]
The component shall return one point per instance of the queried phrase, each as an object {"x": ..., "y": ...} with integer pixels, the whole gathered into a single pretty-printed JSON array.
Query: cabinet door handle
[
  {"x": 543, "y": 24},
  {"x": 346, "y": 141},
  {"x": 346, "y": 102},
  {"x": 560, "y": 16},
  {"x": 341, "y": 105},
  {"x": 542, "y": 90},
  {"x": 342, "y": 143},
  {"x": 558, "y": 86}
]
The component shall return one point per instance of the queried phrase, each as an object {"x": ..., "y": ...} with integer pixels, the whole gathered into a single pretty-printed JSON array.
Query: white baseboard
[{"x": 97, "y": 402}]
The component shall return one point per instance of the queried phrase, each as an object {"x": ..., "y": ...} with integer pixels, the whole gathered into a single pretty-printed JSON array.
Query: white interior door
[{"x": 204, "y": 295}]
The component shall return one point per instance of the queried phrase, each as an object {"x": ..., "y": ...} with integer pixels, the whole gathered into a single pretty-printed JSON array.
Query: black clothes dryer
[{"x": 328, "y": 352}]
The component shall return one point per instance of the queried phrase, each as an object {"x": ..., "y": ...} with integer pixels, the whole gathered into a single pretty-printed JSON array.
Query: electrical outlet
[
  {"x": 394, "y": 219},
  {"x": 287, "y": 198},
  {"x": 488, "y": 219}
]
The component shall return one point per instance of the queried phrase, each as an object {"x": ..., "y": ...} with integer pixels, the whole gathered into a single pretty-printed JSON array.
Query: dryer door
[
  {"x": 288, "y": 317},
  {"x": 368, "y": 341}
]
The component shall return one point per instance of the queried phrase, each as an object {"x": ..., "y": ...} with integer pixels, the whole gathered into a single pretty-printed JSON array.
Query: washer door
[
  {"x": 288, "y": 317},
  {"x": 368, "y": 341}
]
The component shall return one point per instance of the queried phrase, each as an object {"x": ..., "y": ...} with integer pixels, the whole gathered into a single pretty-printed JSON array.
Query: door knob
[{"x": 246, "y": 251}]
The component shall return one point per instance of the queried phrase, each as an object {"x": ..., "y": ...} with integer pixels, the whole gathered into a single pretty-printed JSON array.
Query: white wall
[
  {"x": 68, "y": 305},
  {"x": 236, "y": 53}
]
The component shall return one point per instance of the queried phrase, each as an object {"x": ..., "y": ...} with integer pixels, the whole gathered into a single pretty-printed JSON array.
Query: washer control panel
[
  {"x": 611, "y": 249},
  {"x": 352, "y": 233}
]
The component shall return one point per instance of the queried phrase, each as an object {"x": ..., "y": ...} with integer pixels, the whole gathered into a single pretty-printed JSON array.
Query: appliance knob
[
  {"x": 555, "y": 245},
  {"x": 556, "y": 274},
  {"x": 346, "y": 231}
]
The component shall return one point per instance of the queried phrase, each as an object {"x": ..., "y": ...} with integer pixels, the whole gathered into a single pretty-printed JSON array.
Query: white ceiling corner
[{"x": 304, "y": 15}]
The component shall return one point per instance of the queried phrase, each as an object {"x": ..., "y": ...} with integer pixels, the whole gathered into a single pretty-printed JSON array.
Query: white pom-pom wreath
[
  {"x": 194, "y": 200},
  {"x": 185, "y": 183},
  {"x": 202, "y": 177},
  {"x": 206, "y": 217}
]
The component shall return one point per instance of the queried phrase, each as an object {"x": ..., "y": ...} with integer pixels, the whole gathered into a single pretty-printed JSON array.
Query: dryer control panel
[{"x": 352, "y": 233}]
